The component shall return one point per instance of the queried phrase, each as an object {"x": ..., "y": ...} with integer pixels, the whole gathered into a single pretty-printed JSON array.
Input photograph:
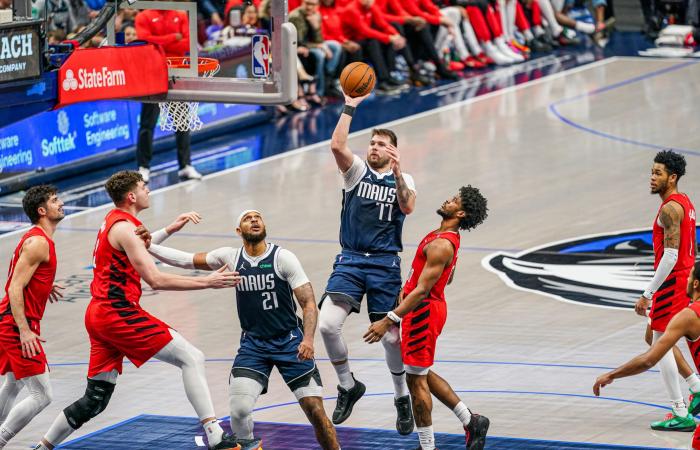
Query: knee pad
[
  {"x": 95, "y": 400},
  {"x": 243, "y": 393}
]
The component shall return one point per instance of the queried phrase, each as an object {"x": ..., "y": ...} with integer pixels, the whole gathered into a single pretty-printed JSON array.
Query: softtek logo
[
  {"x": 60, "y": 144},
  {"x": 88, "y": 79}
]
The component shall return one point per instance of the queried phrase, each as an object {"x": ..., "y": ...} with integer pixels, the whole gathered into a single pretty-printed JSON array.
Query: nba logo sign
[{"x": 261, "y": 55}]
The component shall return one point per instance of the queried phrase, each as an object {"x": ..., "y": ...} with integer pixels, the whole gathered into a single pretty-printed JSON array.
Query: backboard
[{"x": 241, "y": 52}]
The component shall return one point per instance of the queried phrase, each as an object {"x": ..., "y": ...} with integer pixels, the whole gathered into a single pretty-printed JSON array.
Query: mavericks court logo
[{"x": 606, "y": 270}]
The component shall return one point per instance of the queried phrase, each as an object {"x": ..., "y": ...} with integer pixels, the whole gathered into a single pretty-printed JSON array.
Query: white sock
[
  {"x": 41, "y": 446},
  {"x": 60, "y": 429},
  {"x": 5, "y": 436},
  {"x": 669, "y": 375},
  {"x": 528, "y": 35},
  {"x": 400, "y": 386},
  {"x": 345, "y": 378},
  {"x": 585, "y": 27},
  {"x": 426, "y": 437},
  {"x": 548, "y": 13},
  {"x": 462, "y": 413},
  {"x": 391, "y": 342},
  {"x": 693, "y": 383},
  {"x": 214, "y": 432},
  {"x": 538, "y": 30}
]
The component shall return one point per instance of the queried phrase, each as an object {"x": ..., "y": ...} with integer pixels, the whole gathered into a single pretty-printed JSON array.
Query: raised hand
[
  {"x": 143, "y": 234},
  {"x": 395, "y": 158},
  {"x": 182, "y": 220}
]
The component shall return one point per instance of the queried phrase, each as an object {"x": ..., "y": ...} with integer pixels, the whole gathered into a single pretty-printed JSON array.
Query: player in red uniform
[
  {"x": 674, "y": 255},
  {"x": 422, "y": 314},
  {"x": 117, "y": 325},
  {"x": 29, "y": 286},
  {"x": 685, "y": 324}
]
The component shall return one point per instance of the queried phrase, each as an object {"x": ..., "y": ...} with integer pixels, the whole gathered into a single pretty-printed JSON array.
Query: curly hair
[
  {"x": 674, "y": 162},
  {"x": 474, "y": 204},
  {"x": 35, "y": 198},
  {"x": 121, "y": 183}
]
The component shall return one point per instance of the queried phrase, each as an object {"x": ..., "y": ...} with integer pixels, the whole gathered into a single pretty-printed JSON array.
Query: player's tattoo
[
  {"x": 403, "y": 193},
  {"x": 307, "y": 301},
  {"x": 670, "y": 217}
]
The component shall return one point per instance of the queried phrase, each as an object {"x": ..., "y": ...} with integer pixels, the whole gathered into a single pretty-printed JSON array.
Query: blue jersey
[
  {"x": 371, "y": 219},
  {"x": 264, "y": 298}
]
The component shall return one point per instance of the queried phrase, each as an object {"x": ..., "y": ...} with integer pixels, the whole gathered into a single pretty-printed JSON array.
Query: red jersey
[
  {"x": 114, "y": 277},
  {"x": 161, "y": 27},
  {"x": 438, "y": 290},
  {"x": 36, "y": 293},
  {"x": 687, "y": 247},
  {"x": 360, "y": 23}
]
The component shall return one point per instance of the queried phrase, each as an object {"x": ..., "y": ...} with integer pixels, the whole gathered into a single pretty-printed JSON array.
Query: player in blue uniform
[
  {"x": 273, "y": 335},
  {"x": 377, "y": 196}
]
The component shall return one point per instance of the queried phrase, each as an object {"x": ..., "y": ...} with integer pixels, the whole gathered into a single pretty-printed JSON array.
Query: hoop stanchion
[{"x": 183, "y": 116}]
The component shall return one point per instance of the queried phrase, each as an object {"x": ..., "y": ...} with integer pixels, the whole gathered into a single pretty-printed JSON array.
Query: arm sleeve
[
  {"x": 222, "y": 256},
  {"x": 172, "y": 257},
  {"x": 161, "y": 235},
  {"x": 290, "y": 268},
  {"x": 409, "y": 182},
  {"x": 354, "y": 174},
  {"x": 666, "y": 265}
]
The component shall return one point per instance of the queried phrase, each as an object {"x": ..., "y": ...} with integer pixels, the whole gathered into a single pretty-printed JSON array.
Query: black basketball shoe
[
  {"x": 228, "y": 442},
  {"x": 475, "y": 432},
  {"x": 404, "y": 415},
  {"x": 346, "y": 401}
]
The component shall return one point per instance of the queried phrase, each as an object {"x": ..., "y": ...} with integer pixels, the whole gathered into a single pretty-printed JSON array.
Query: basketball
[{"x": 357, "y": 79}]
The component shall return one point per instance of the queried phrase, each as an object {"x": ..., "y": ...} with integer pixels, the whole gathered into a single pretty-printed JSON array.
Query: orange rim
[{"x": 183, "y": 62}]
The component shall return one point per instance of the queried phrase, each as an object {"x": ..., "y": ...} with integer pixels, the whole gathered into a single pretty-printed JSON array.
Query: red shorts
[
  {"x": 695, "y": 353},
  {"x": 121, "y": 329},
  {"x": 669, "y": 300},
  {"x": 419, "y": 332},
  {"x": 11, "y": 359}
]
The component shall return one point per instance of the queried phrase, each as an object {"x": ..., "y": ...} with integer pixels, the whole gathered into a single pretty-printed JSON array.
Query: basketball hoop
[{"x": 183, "y": 116}]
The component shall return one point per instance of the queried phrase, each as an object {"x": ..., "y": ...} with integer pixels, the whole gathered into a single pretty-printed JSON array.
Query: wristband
[
  {"x": 349, "y": 110},
  {"x": 393, "y": 317},
  {"x": 648, "y": 295}
]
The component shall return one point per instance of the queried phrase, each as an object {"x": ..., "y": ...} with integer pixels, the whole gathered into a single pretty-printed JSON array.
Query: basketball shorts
[
  {"x": 11, "y": 359},
  {"x": 669, "y": 300},
  {"x": 119, "y": 329},
  {"x": 419, "y": 333},
  {"x": 378, "y": 276},
  {"x": 257, "y": 356},
  {"x": 695, "y": 353}
]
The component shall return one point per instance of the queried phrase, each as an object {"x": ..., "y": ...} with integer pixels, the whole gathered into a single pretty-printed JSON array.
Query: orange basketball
[{"x": 357, "y": 79}]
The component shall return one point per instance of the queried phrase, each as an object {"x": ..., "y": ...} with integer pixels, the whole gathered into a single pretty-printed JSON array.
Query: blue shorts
[
  {"x": 358, "y": 274},
  {"x": 257, "y": 356}
]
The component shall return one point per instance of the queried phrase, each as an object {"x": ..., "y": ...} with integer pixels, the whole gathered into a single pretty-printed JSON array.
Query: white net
[{"x": 183, "y": 116}]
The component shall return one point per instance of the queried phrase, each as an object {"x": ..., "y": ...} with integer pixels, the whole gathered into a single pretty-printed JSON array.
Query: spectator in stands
[
  {"x": 124, "y": 15},
  {"x": 56, "y": 36},
  {"x": 332, "y": 31},
  {"x": 364, "y": 22},
  {"x": 170, "y": 30},
  {"x": 129, "y": 30},
  {"x": 307, "y": 20},
  {"x": 68, "y": 15},
  {"x": 213, "y": 10}
]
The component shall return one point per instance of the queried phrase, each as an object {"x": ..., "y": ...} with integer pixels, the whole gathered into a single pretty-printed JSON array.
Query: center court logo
[{"x": 606, "y": 270}]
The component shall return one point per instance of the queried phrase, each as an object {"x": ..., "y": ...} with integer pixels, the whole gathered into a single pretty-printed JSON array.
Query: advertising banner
[
  {"x": 112, "y": 72},
  {"x": 20, "y": 51}
]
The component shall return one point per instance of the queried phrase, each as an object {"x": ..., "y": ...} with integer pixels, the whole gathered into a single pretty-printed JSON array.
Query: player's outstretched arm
[
  {"x": 439, "y": 254},
  {"x": 161, "y": 235},
  {"x": 307, "y": 301},
  {"x": 35, "y": 250},
  {"x": 677, "y": 328},
  {"x": 122, "y": 235},
  {"x": 339, "y": 141}
]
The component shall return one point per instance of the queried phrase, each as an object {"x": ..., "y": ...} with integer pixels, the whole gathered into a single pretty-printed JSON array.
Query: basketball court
[{"x": 559, "y": 158}]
